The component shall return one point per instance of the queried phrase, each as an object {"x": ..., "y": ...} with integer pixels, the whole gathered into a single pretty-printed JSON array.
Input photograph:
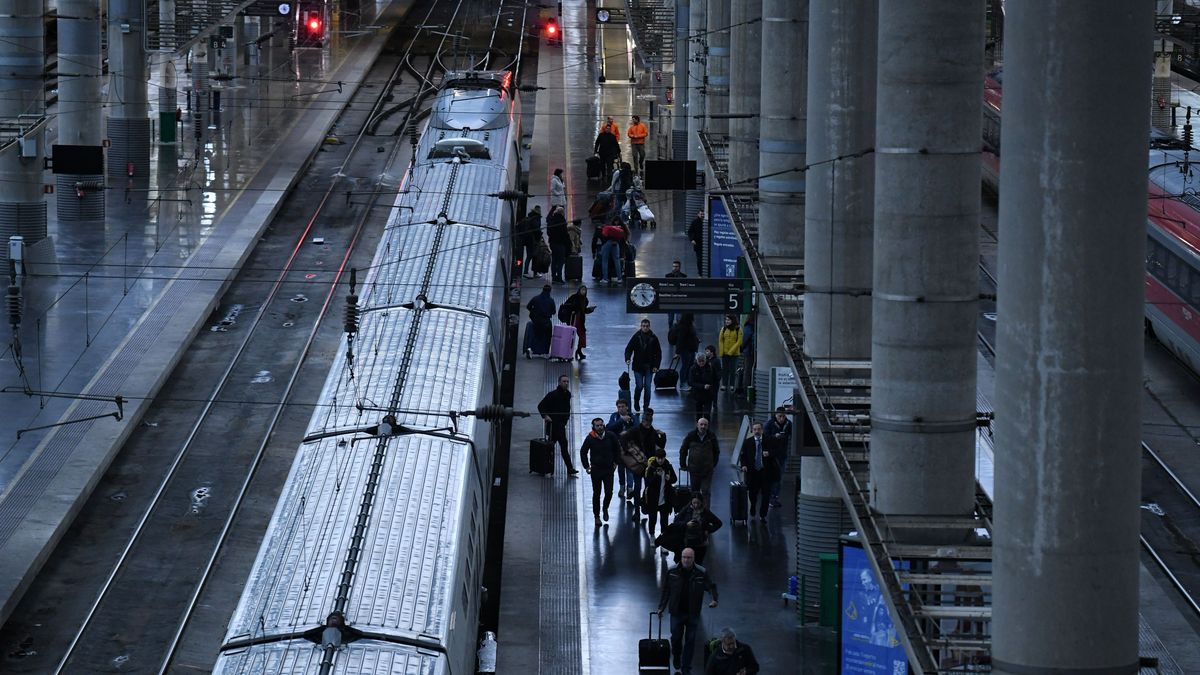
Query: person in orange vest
[
  {"x": 611, "y": 127},
  {"x": 637, "y": 141}
]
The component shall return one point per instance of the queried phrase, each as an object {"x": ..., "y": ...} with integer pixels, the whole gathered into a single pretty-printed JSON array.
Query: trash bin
[{"x": 829, "y": 590}]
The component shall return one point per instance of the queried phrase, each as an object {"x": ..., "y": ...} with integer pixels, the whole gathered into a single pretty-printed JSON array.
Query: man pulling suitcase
[{"x": 683, "y": 593}]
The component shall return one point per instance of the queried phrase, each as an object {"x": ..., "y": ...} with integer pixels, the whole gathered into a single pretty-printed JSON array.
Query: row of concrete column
[
  {"x": 78, "y": 119},
  {"x": 888, "y": 235}
]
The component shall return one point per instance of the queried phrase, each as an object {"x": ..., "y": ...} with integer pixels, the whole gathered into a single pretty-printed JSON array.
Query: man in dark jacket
[
  {"x": 560, "y": 243},
  {"x": 555, "y": 408},
  {"x": 643, "y": 355},
  {"x": 541, "y": 312},
  {"x": 530, "y": 236},
  {"x": 608, "y": 147},
  {"x": 618, "y": 423},
  {"x": 779, "y": 429},
  {"x": 731, "y": 657},
  {"x": 762, "y": 469},
  {"x": 695, "y": 234},
  {"x": 599, "y": 458},
  {"x": 698, "y": 455},
  {"x": 647, "y": 439},
  {"x": 703, "y": 383},
  {"x": 683, "y": 593}
]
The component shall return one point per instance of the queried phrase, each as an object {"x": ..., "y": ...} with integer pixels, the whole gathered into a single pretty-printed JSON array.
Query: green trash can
[
  {"x": 829, "y": 590},
  {"x": 166, "y": 127}
]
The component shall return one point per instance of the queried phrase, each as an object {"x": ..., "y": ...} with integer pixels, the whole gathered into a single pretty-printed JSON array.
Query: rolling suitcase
[
  {"x": 574, "y": 271},
  {"x": 667, "y": 378},
  {"x": 654, "y": 655},
  {"x": 739, "y": 505},
  {"x": 562, "y": 342},
  {"x": 527, "y": 341},
  {"x": 595, "y": 167},
  {"x": 596, "y": 268},
  {"x": 541, "y": 454},
  {"x": 682, "y": 495}
]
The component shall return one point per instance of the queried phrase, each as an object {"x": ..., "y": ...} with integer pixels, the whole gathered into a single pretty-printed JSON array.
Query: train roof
[{"x": 364, "y": 657}]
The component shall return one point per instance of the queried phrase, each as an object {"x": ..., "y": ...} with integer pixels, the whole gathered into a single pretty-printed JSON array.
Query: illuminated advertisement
[
  {"x": 869, "y": 643},
  {"x": 724, "y": 247}
]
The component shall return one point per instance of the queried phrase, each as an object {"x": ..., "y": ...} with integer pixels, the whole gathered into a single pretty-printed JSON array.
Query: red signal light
[
  {"x": 314, "y": 25},
  {"x": 552, "y": 29}
]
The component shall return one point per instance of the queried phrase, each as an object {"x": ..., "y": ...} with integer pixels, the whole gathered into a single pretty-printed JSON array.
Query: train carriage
[{"x": 374, "y": 557}]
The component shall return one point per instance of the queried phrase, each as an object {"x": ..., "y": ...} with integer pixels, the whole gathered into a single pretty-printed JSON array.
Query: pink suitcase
[{"x": 562, "y": 344}]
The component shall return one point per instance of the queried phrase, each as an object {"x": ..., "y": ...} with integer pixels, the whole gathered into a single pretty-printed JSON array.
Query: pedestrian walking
[
  {"x": 699, "y": 454},
  {"x": 555, "y": 408},
  {"x": 558, "y": 190},
  {"x": 530, "y": 230},
  {"x": 698, "y": 525},
  {"x": 730, "y": 341},
  {"x": 660, "y": 481},
  {"x": 599, "y": 457},
  {"x": 643, "y": 355},
  {"x": 574, "y": 312},
  {"x": 702, "y": 380},
  {"x": 779, "y": 429},
  {"x": 612, "y": 235},
  {"x": 541, "y": 312},
  {"x": 642, "y": 442},
  {"x": 622, "y": 183},
  {"x": 638, "y": 133},
  {"x": 608, "y": 148},
  {"x": 731, "y": 657},
  {"x": 695, "y": 234},
  {"x": 675, "y": 273},
  {"x": 560, "y": 243},
  {"x": 686, "y": 340},
  {"x": 610, "y": 125},
  {"x": 683, "y": 593},
  {"x": 761, "y": 468},
  {"x": 620, "y": 422}
]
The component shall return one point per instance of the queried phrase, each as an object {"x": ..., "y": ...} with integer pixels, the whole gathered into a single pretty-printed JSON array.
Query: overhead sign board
[{"x": 684, "y": 294}]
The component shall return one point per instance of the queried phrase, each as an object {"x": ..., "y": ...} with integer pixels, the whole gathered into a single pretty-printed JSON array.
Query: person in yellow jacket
[
  {"x": 638, "y": 133},
  {"x": 729, "y": 341}
]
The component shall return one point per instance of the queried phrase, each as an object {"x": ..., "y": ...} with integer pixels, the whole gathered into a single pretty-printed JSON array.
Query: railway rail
[{"x": 246, "y": 395}]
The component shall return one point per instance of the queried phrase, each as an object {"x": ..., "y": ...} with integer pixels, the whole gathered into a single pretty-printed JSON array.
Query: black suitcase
[
  {"x": 596, "y": 268},
  {"x": 528, "y": 339},
  {"x": 595, "y": 167},
  {"x": 739, "y": 504},
  {"x": 667, "y": 378},
  {"x": 541, "y": 454},
  {"x": 682, "y": 495},
  {"x": 654, "y": 655},
  {"x": 574, "y": 270}
]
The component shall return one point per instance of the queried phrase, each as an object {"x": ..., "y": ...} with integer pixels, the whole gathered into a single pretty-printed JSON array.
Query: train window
[
  {"x": 1154, "y": 257},
  {"x": 1173, "y": 267}
]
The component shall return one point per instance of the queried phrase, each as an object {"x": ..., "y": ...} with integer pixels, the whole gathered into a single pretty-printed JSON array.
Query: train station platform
[
  {"x": 111, "y": 306},
  {"x": 576, "y": 598}
]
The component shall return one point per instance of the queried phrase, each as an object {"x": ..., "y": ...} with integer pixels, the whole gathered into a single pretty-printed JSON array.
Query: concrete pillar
[
  {"x": 22, "y": 205},
  {"x": 839, "y": 208},
  {"x": 681, "y": 87},
  {"x": 1069, "y": 342},
  {"x": 782, "y": 145},
  {"x": 697, "y": 55},
  {"x": 926, "y": 280},
  {"x": 718, "y": 66},
  {"x": 745, "y": 59},
  {"x": 128, "y": 108},
  {"x": 79, "y": 196}
]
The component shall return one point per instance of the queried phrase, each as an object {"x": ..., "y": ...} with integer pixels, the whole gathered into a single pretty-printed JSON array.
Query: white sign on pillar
[{"x": 783, "y": 387}]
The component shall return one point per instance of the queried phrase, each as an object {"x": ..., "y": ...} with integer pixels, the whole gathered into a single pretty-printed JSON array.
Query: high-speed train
[
  {"x": 1172, "y": 231},
  {"x": 373, "y": 559}
]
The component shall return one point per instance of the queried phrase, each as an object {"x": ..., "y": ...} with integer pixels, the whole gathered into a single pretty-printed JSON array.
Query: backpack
[
  {"x": 612, "y": 233},
  {"x": 565, "y": 313}
]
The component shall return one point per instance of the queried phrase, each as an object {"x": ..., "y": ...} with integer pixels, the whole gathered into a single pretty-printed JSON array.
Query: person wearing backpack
[{"x": 699, "y": 455}]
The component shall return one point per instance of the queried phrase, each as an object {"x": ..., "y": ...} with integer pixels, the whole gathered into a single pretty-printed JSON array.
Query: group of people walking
[{"x": 626, "y": 455}]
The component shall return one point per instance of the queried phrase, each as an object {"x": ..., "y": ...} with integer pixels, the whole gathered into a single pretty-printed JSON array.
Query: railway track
[
  {"x": 126, "y": 585},
  {"x": 1170, "y": 510}
]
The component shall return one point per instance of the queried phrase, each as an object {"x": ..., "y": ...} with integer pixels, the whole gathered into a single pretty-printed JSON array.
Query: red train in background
[{"x": 1172, "y": 231}]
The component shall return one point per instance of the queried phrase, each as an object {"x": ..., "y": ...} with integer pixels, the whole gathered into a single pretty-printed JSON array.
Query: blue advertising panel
[
  {"x": 869, "y": 644},
  {"x": 724, "y": 247}
]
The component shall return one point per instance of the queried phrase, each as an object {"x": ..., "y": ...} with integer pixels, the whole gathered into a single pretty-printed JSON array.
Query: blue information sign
[
  {"x": 724, "y": 247},
  {"x": 869, "y": 644}
]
